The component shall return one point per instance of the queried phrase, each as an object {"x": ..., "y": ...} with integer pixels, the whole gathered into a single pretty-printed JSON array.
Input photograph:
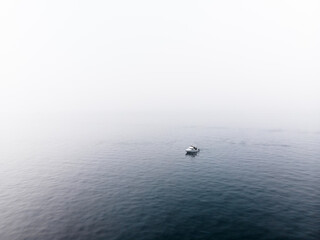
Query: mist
[{"x": 231, "y": 63}]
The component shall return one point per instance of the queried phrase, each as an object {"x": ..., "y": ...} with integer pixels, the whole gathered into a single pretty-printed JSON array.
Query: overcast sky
[{"x": 244, "y": 60}]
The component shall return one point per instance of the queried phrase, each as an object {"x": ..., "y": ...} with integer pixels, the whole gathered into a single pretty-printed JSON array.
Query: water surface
[{"x": 137, "y": 183}]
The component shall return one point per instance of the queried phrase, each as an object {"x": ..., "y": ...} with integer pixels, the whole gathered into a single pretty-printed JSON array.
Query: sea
[{"x": 135, "y": 182}]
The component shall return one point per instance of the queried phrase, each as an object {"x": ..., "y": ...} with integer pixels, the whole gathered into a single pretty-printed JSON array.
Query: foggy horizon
[{"x": 220, "y": 63}]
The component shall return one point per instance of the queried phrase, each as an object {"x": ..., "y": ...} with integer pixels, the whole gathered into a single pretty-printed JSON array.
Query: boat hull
[{"x": 192, "y": 151}]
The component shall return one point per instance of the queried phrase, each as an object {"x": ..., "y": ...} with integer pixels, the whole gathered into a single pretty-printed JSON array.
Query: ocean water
[{"x": 137, "y": 183}]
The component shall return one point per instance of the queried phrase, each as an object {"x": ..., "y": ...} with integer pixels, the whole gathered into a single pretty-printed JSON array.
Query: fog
[{"x": 222, "y": 63}]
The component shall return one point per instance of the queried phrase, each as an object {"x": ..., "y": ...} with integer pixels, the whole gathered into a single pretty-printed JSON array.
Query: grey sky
[{"x": 257, "y": 60}]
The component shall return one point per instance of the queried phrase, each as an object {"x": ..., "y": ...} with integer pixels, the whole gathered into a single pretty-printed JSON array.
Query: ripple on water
[{"x": 241, "y": 185}]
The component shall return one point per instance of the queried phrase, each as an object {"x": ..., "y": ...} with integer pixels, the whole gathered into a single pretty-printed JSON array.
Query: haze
[{"x": 240, "y": 63}]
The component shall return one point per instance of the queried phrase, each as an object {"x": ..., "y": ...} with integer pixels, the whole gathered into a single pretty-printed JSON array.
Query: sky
[{"x": 230, "y": 62}]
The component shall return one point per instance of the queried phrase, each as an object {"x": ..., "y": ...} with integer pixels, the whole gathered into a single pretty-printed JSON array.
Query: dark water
[{"x": 244, "y": 184}]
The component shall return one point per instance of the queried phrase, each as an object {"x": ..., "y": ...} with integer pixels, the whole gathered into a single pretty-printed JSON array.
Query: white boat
[{"x": 192, "y": 149}]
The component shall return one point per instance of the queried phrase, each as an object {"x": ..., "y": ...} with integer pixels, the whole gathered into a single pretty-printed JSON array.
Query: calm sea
[{"x": 137, "y": 183}]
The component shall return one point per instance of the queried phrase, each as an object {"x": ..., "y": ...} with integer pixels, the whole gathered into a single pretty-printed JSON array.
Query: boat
[{"x": 192, "y": 149}]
